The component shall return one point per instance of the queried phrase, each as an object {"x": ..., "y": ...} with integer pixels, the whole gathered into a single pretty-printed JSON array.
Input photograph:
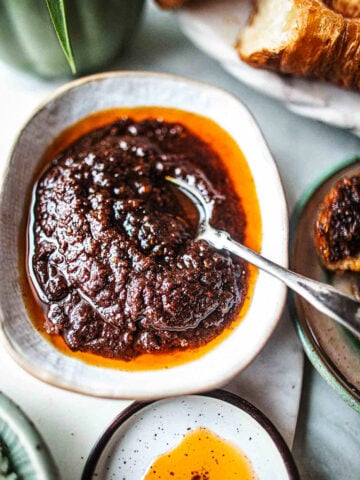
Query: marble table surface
[{"x": 327, "y": 441}]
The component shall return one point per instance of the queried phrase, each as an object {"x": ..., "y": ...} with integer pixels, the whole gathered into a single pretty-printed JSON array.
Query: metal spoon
[{"x": 340, "y": 307}]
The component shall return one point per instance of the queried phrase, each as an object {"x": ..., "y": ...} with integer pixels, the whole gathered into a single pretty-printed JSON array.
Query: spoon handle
[{"x": 324, "y": 298}]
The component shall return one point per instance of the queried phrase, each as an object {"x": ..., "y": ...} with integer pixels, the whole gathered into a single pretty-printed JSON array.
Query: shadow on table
[
  {"x": 327, "y": 429},
  {"x": 159, "y": 42}
]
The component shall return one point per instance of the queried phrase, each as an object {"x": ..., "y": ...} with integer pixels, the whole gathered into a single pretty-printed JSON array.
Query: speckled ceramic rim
[
  {"x": 314, "y": 352},
  {"x": 38, "y": 462},
  {"x": 222, "y": 395}
]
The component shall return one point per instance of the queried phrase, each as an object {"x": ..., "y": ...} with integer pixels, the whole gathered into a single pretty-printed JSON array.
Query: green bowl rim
[
  {"x": 37, "y": 452},
  {"x": 311, "y": 350}
]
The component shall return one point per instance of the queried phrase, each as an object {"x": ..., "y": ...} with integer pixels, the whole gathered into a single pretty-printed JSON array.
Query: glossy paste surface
[{"x": 233, "y": 161}]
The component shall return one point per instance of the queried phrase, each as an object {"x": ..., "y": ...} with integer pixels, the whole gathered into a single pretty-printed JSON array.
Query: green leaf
[{"x": 58, "y": 16}]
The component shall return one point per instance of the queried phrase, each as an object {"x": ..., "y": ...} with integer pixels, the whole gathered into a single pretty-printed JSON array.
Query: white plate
[
  {"x": 143, "y": 432},
  {"x": 213, "y": 26}
]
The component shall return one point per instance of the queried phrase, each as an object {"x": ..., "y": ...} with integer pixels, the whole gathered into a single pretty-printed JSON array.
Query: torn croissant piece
[
  {"x": 348, "y": 8},
  {"x": 170, "y": 3},
  {"x": 337, "y": 230},
  {"x": 305, "y": 38}
]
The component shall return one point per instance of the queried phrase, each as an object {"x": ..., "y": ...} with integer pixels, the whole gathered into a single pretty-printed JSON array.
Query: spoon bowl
[{"x": 340, "y": 307}]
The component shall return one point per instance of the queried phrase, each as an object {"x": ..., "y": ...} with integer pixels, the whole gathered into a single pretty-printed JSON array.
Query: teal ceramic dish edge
[
  {"x": 315, "y": 357},
  {"x": 28, "y": 453}
]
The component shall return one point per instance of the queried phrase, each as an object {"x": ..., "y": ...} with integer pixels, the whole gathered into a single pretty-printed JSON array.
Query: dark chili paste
[
  {"x": 337, "y": 229},
  {"x": 113, "y": 252}
]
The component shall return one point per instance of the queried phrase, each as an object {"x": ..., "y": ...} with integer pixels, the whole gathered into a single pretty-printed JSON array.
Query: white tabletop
[{"x": 327, "y": 440}]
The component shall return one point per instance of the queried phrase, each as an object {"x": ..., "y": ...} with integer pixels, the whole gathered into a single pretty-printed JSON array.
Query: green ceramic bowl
[
  {"x": 333, "y": 351},
  {"x": 28, "y": 454},
  {"x": 99, "y": 30}
]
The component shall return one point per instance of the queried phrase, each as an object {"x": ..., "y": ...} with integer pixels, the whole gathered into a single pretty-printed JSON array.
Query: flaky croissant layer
[
  {"x": 348, "y": 8},
  {"x": 310, "y": 40},
  {"x": 170, "y": 3}
]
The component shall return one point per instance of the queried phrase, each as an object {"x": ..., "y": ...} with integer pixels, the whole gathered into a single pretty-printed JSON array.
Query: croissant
[
  {"x": 305, "y": 38},
  {"x": 170, "y": 3},
  {"x": 349, "y": 8},
  {"x": 337, "y": 229}
]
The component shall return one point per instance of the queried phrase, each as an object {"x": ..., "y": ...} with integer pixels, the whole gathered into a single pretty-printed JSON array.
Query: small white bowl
[
  {"x": 145, "y": 431},
  {"x": 68, "y": 105}
]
